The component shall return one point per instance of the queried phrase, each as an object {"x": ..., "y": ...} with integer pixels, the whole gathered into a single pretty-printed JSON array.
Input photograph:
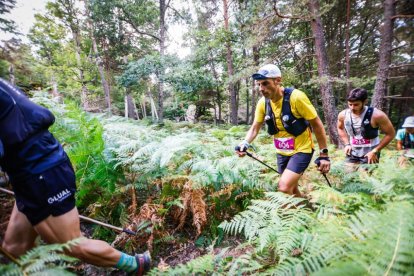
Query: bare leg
[
  {"x": 20, "y": 235},
  {"x": 65, "y": 228},
  {"x": 288, "y": 183}
]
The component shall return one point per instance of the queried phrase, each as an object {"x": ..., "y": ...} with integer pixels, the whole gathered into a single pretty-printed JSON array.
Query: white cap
[
  {"x": 409, "y": 122},
  {"x": 267, "y": 71}
]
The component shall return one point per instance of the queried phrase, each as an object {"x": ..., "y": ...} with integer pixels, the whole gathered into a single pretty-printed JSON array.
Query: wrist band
[
  {"x": 324, "y": 158},
  {"x": 246, "y": 143}
]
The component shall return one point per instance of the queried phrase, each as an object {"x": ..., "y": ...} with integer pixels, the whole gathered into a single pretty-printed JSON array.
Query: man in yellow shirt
[{"x": 288, "y": 113}]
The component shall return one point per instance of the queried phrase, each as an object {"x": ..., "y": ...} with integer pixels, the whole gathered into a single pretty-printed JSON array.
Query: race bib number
[
  {"x": 285, "y": 144},
  {"x": 359, "y": 141}
]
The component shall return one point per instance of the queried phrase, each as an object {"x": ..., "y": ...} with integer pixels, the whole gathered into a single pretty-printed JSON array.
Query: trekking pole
[
  {"x": 237, "y": 148},
  {"x": 119, "y": 229},
  {"x": 318, "y": 162}
]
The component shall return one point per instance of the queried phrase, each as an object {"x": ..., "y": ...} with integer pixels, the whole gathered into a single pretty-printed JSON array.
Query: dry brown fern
[
  {"x": 227, "y": 190},
  {"x": 192, "y": 200},
  {"x": 198, "y": 208},
  {"x": 148, "y": 213}
]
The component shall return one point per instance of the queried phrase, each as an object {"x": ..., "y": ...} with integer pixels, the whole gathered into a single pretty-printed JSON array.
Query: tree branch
[
  {"x": 402, "y": 16},
  {"x": 128, "y": 20},
  {"x": 401, "y": 65},
  {"x": 175, "y": 11},
  {"x": 286, "y": 16}
]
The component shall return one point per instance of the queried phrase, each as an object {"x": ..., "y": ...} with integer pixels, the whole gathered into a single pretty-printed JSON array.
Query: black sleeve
[
  {"x": 1, "y": 150},
  {"x": 6, "y": 100}
]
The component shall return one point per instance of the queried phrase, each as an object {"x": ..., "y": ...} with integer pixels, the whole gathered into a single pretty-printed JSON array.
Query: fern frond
[{"x": 200, "y": 266}]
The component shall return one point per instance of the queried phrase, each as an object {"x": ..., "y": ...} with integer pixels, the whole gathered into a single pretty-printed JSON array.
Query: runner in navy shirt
[{"x": 44, "y": 184}]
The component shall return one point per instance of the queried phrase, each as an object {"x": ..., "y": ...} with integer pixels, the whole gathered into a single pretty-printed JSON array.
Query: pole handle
[{"x": 237, "y": 148}]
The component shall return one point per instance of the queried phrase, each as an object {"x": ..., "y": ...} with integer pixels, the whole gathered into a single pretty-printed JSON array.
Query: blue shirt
[
  {"x": 26, "y": 145},
  {"x": 401, "y": 134}
]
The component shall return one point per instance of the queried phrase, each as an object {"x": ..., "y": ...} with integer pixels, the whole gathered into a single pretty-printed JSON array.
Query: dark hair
[{"x": 357, "y": 94}]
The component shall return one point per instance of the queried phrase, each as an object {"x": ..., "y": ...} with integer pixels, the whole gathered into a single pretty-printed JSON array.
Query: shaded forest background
[
  {"x": 117, "y": 85},
  {"x": 117, "y": 56}
]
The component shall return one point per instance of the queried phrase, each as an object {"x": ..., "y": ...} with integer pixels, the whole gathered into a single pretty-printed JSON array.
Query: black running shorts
[
  {"x": 296, "y": 163},
  {"x": 49, "y": 193}
]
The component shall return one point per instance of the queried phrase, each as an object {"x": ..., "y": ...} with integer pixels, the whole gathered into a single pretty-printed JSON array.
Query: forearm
[
  {"x": 319, "y": 133},
  {"x": 343, "y": 136},
  {"x": 252, "y": 132},
  {"x": 384, "y": 142}
]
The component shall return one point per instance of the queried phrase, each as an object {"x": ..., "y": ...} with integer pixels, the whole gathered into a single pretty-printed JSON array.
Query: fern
[
  {"x": 202, "y": 265},
  {"x": 271, "y": 222},
  {"x": 42, "y": 260}
]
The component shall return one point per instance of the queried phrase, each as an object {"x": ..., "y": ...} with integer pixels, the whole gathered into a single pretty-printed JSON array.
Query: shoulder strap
[
  {"x": 286, "y": 101},
  {"x": 368, "y": 114},
  {"x": 269, "y": 111}
]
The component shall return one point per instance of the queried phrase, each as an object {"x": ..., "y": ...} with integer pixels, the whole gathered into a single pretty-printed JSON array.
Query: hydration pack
[
  {"x": 407, "y": 143},
  {"x": 20, "y": 117},
  {"x": 367, "y": 131},
  {"x": 291, "y": 124}
]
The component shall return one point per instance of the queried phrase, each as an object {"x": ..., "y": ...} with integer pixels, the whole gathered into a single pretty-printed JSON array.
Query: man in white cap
[
  {"x": 405, "y": 139},
  {"x": 288, "y": 114}
]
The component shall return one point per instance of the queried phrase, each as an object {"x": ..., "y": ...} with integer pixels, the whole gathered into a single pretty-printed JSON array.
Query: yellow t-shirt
[{"x": 301, "y": 108}]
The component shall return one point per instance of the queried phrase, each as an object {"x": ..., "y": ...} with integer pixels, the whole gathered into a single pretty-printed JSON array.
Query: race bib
[
  {"x": 285, "y": 144},
  {"x": 359, "y": 141}
]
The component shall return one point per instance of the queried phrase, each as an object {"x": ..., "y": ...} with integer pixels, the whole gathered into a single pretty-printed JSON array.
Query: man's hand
[
  {"x": 242, "y": 148},
  {"x": 348, "y": 150},
  {"x": 324, "y": 164},
  {"x": 372, "y": 157}
]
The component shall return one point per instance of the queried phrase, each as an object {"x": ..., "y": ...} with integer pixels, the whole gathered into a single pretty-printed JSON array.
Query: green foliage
[
  {"x": 143, "y": 68},
  {"x": 42, "y": 260},
  {"x": 7, "y": 25}
]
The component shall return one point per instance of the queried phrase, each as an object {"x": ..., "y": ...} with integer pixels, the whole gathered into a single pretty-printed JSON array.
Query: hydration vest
[
  {"x": 367, "y": 131},
  {"x": 291, "y": 124},
  {"x": 19, "y": 117},
  {"x": 407, "y": 143}
]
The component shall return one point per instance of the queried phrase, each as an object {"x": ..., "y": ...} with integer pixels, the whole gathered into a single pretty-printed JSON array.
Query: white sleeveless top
[{"x": 360, "y": 146}]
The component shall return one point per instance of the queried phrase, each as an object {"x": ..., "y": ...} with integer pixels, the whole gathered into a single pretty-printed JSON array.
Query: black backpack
[
  {"x": 367, "y": 131},
  {"x": 407, "y": 143},
  {"x": 292, "y": 124}
]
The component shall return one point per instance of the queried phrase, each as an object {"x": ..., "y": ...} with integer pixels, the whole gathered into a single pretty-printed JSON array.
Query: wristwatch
[{"x": 323, "y": 151}]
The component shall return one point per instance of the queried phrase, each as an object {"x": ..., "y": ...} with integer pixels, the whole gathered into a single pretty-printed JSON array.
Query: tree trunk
[
  {"x": 229, "y": 54},
  {"x": 348, "y": 18},
  {"x": 12, "y": 78},
  {"x": 328, "y": 100},
  {"x": 84, "y": 93},
  {"x": 380, "y": 90},
  {"x": 254, "y": 91},
  {"x": 163, "y": 8},
  {"x": 55, "y": 91},
  {"x": 246, "y": 80},
  {"x": 218, "y": 95},
  {"x": 98, "y": 60},
  {"x": 130, "y": 108}
]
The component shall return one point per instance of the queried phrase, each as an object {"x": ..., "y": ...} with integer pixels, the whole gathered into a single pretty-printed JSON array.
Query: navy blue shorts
[
  {"x": 51, "y": 192},
  {"x": 359, "y": 160},
  {"x": 296, "y": 163}
]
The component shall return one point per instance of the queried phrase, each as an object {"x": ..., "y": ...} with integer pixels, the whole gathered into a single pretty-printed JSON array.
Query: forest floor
[{"x": 169, "y": 256}]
